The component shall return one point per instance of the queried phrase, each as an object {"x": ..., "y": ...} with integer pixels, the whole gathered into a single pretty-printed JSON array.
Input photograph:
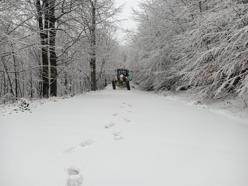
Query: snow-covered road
[{"x": 121, "y": 138}]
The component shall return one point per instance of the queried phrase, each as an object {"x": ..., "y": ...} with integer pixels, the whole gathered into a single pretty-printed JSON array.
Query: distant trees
[
  {"x": 197, "y": 44},
  {"x": 12, "y": 40},
  {"x": 53, "y": 48},
  {"x": 97, "y": 16}
]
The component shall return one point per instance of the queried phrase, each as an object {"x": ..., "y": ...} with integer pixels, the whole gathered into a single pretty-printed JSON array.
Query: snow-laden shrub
[{"x": 23, "y": 105}]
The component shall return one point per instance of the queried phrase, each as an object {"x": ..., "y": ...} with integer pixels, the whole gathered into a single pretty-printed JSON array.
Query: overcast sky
[{"x": 126, "y": 15}]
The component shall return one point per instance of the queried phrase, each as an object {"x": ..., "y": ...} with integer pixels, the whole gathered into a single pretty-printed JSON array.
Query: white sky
[{"x": 126, "y": 15}]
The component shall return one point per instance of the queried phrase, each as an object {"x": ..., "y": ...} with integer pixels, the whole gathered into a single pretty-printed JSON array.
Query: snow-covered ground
[{"x": 121, "y": 138}]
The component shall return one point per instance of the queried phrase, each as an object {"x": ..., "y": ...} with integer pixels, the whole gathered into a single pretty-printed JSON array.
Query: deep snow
[{"x": 121, "y": 138}]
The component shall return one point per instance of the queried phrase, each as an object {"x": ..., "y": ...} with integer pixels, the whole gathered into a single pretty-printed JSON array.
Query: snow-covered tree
[{"x": 195, "y": 44}]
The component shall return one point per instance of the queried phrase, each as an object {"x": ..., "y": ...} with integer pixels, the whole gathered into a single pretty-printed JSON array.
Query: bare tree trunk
[
  {"x": 31, "y": 83},
  {"x": 15, "y": 70},
  {"x": 93, "y": 47},
  {"x": 47, "y": 20},
  {"x": 22, "y": 91},
  {"x": 200, "y": 6},
  {"x": 8, "y": 77},
  {"x": 66, "y": 84},
  {"x": 2, "y": 84},
  {"x": 52, "y": 49},
  {"x": 43, "y": 26}
]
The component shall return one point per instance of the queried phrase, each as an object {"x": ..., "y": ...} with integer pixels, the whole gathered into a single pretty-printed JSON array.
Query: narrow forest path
[{"x": 121, "y": 138}]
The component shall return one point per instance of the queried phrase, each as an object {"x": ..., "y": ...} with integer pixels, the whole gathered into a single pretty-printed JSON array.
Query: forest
[
  {"x": 54, "y": 48},
  {"x": 123, "y": 92},
  {"x": 57, "y": 48}
]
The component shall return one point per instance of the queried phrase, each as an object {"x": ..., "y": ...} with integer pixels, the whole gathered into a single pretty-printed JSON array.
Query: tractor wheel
[
  {"x": 113, "y": 85},
  {"x": 128, "y": 85}
]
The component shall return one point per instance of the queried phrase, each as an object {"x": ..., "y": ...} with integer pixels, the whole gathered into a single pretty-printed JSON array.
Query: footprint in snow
[
  {"x": 110, "y": 125},
  {"x": 127, "y": 120},
  {"x": 117, "y": 136},
  {"x": 69, "y": 150},
  {"x": 86, "y": 143},
  {"x": 129, "y": 105},
  {"x": 115, "y": 114},
  {"x": 75, "y": 178},
  {"x": 83, "y": 144}
]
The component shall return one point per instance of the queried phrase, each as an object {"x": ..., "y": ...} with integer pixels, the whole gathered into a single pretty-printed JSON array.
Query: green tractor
[{"x": 122, "y": 79}]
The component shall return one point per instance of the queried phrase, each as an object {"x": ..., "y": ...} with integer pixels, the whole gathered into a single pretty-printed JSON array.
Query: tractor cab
[{"x": 122, "y": 73}]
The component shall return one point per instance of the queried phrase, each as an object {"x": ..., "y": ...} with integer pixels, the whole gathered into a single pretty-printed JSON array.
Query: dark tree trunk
[
  {"x": 15, "y": 71},
  {"x": 4, "y": 84},
  {"x": 45, "y": 81},
  {"x": 52, "y": 49},
  {"x": 66, "y": 84},
  {"x": 93, "y": 48},
  {"x": 8, "y": 77},
  {"x": 47, "y": 20},
  {"x": 93, "y": 74},
  {"x": 43, "y": 26},
  {"x": 31, "y": 84},
  {"x": 1, "y": 86}
]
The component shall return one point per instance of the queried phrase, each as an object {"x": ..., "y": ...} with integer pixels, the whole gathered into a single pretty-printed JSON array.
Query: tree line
[
  {"x": 56, "y": 47},
  {"x": 196, "y": 45}
]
